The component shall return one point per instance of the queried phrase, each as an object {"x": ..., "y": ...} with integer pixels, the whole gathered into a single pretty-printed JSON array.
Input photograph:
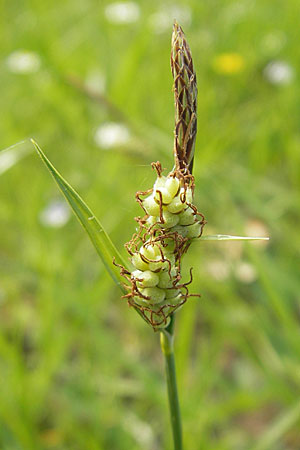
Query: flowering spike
[
  {"x": 171, "y": 219},
  {"x": 185, "y": 96}
]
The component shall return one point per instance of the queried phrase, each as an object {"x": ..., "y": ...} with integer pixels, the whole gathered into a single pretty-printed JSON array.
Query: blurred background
[{"x": 91, "y": 82}]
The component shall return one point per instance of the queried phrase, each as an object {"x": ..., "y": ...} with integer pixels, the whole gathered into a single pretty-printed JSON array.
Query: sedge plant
[{"x": 151, "y": 280}]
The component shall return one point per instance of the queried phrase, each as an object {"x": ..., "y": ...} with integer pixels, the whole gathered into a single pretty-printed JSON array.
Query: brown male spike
[{"x": 185, "y": 96}]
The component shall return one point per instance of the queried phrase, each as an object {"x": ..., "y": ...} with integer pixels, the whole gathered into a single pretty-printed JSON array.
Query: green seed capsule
[
  {"x": 169, "y": 262},
  {"x": 165, "y": 280},
  {"x": 160, "y": 183},
  {"x": 176, "y": 205},
  {"x": 148, "y": 278},
  {"x": 186, "y": 217},
  {"x": 156, "y": 266},
  {"x": 170, "y": 220},
  {"x": 169, "y": 259},
  {"x": 165, "y": 194},
  {"x": 169, "y": 301},
  {"x": 141, "y": 302},
  {"x": 158, "y": 307},
  {"x": 160, "y": 317},
  {"x": 172, "y": 185},
  {"x": 170, "y": 246},
  {"x": 193, "y": 231},
  {"x": 188, "y": 194},
  {"x": 152, "y": 220},
  {"x": 151, "y": 206},
  {"x": 153, "y": 253},
  {"x": 150, "y": 251},
  {"x": 172, "y": 293},
  {"x": 164, "y": 324},
  {"x": 175, "y": 300},
  {"x": 180, "y": 229},
  {"x": 156, "y": 295},
  {"x": 167, "y": 310},
  {"x": 138, "y": 262},
  {"x": 136, "y": 274}
]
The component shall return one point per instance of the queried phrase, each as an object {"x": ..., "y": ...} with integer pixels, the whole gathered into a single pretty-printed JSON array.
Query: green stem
[{"x": 167, "y": 347}]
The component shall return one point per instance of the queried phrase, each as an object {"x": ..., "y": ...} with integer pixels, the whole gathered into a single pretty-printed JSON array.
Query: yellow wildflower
[{"x": 229, "y": 63}]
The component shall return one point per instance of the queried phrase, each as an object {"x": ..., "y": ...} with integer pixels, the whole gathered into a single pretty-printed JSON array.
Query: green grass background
[{"x": 79, "y": 369}]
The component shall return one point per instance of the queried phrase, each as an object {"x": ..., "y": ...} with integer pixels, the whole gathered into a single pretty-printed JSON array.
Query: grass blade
[
  {"x": 226, "y": 237},
  {"x": 279, "y": 428},
  {"x": 100, "y": 239},
  {"x": 12, "y": 155}
]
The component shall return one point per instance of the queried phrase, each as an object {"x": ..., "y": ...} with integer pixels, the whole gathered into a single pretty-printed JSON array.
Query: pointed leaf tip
[
  {"x": 226, "y": 237},
  {"x": 100, "y": 239},
  {"x": 11, "y": 155}
]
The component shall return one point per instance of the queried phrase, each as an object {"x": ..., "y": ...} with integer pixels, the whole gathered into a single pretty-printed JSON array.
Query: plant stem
[{"x": 167, "y": 347}]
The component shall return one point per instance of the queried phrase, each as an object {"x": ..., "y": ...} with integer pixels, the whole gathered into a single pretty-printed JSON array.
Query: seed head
[{"x": 171, "y": 219}]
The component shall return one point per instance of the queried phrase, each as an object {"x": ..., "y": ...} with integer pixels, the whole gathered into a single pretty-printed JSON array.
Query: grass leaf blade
[
  {"x": 100, "y": 239},
  {"x": 279, "y": 428},
  {"x": 12, "y": 155},
  {"x": 226, "y": 237}
]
